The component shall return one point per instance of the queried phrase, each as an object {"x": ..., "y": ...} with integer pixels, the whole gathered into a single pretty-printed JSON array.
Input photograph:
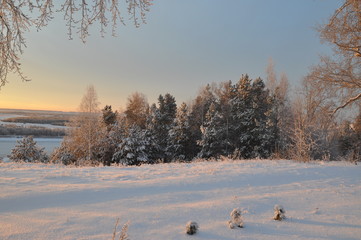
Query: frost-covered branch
[
  {"x": 18, "y": 17},
  {"x": 341, "y": 74}
]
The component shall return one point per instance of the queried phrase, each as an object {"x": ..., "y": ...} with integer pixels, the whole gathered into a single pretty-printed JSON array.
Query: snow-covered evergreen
[
  {"x": 132, "y": 150},
  {"x": 237, "y": 120},
  {"x": 214, "y": 140},
  {"x": 63, "y": 155},
  {"x": 27, "y": 150},
  {"x": 179, "y": 135}
]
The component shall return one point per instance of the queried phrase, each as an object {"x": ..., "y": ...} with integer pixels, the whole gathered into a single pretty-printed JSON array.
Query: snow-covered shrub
[
  {"x": 191, "y": 228},
  {"x": 27, "y": 150},
  {"x": 62, "y": 155},
  {"x": 279, "y": 213},
  {"x": 236, "y": 219}
]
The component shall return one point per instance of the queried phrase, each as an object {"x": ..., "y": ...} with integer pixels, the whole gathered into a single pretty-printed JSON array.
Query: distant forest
[
  {"x": 38, "y": 120},
  {"x": 14, "y": 130},
  {"x": 34, "y": 117}
]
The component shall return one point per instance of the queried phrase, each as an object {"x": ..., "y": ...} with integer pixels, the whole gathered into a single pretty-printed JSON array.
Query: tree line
[
  {"x": 241, "y": 120},
  {"x": 246, "y": 119},
  {"x": 14, "y": 130}
]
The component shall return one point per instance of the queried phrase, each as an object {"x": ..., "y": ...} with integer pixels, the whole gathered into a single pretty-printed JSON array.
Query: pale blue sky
[{"x": 184, "y": 45}]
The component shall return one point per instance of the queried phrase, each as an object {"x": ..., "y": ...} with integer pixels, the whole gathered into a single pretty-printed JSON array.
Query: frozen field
[{"x": 322, "y": 200}]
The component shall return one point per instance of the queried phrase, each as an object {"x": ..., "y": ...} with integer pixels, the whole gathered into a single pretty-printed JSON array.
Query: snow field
[{"x": 322, "y": 200}]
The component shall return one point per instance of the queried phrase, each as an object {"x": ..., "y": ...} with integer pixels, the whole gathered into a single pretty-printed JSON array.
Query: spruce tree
[
  {"x": 179, "y": 136},
  {"x": 164, "y": 117},
  {"x": 214, "y": 140},
  {"x": 132, "y": 150},
  {"x": 198, "y": 111},
  {"x": 242, "y": 118},
  {"x": 27, "y": 150},
  {"x": 263, "y": 131},
  {"x": 109, "y": 117}
]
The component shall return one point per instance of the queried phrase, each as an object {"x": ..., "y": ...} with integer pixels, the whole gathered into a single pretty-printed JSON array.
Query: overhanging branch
[{"x": 349, "y": 101}]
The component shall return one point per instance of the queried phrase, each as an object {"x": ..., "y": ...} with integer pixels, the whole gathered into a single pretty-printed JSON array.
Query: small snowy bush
[
  {"x": 279, "y": 213},
  {"x": 191, "y": 228},
  {"x": 236, "y": 219}
]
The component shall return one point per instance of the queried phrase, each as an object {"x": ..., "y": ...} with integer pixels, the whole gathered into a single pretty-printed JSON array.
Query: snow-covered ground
[{"x": 322, "y": 200}]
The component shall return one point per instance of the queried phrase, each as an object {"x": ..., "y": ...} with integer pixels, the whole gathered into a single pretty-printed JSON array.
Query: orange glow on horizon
[{"x": 44, "y": 107}]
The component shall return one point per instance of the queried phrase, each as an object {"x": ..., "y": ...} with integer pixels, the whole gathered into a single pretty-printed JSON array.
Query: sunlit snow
[{"x": 322, "y": 200}]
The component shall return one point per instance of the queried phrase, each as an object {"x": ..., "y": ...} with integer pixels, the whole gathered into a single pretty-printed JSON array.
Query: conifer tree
[
  {"x": 214, "y": 140},
  {"x": 198, "y": 111},
  {"x": 132, "y": 150},
  {"x": 163, "y": 119},
  {"x": 109, "y": 117},
  {"x": 137, "y": 110},
  {"x": 179, "y": 134},
  {"x": 154, "y": 151},
  {"x": 27, "y": 150},
  {"x": 264, "y": 129},
  {"x": 242, "y": 118}
]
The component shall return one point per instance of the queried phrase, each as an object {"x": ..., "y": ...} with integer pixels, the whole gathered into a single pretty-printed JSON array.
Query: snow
[{"x": 322, "y": 200}]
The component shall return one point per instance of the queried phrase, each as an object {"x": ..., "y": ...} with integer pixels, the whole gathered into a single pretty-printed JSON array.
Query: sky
[{"x": 185, "y": 45}]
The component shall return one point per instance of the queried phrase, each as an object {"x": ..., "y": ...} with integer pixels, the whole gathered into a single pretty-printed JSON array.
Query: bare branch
[
  {"x": 349, "y": 101},
  {"x": 341, "y": 74}
]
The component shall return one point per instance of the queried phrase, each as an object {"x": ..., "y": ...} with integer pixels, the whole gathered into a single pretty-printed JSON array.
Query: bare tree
[
  {"x": 271, "y": 80},
  {"x": 341, "y": 74},
  {"x": 19, "y": 16},
  {"x": 282, "y": 114},
  {"x": 137, "y": 110},
  {"x": 313, "y": 125}
]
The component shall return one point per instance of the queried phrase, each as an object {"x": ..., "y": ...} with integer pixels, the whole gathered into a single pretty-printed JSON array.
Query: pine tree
[
  {"x": 242, "y": 118},
  {"x": 137, "y": 110},
  {"x": 154, "y": 151},
  {"x": 250, "y": 129},
  {"x": 63, "y": 155},
  {"x": 197, "y": 116},
  {"x": 104, "y": 148},
  {"x": 27, "y": 150},
  {"x": 226, "y": 92},
  {"x": 214, "y": 140},
  {"x": 264, "y": 130},
  {"x": 179, "y": 134},
  {"x": 109, "y": 117},
  {"x": 162, "y": 120},
  {"x": 106, "y": 145},
  {"x": 132, "y": 150}
]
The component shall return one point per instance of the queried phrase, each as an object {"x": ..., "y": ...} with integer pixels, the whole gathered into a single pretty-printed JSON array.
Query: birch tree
[
  {"x": 341, "y": 73},
  {"x": 85, "y": 129}
]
